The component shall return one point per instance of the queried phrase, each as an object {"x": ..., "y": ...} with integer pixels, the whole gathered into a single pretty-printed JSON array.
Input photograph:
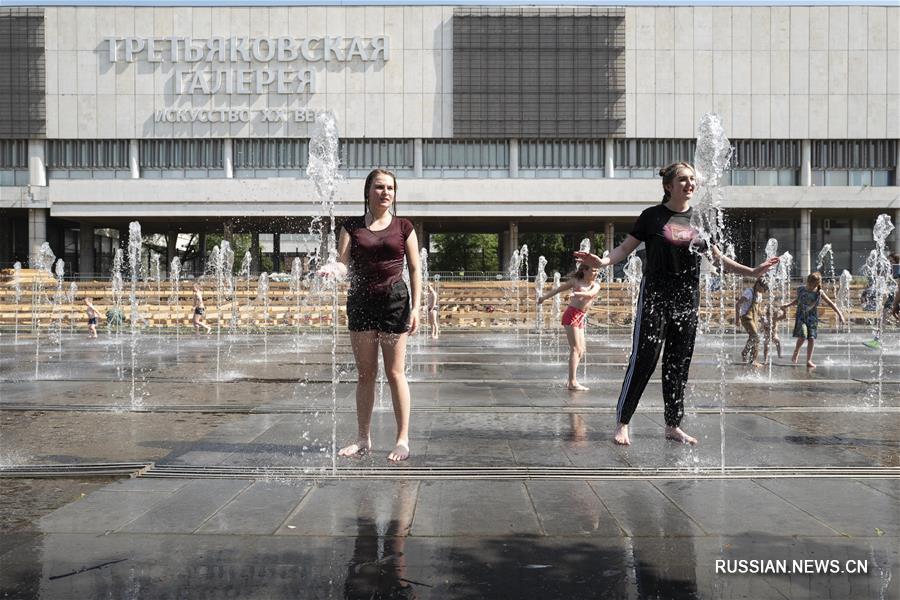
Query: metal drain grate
[{"x": 73, "y": 470}]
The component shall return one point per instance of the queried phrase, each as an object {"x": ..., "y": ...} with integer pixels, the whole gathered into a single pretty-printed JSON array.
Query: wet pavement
[{"x": 514, "y": 489}]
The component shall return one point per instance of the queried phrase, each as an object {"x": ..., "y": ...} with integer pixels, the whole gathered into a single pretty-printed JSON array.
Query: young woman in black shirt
[{"x": 669, "y": 299}]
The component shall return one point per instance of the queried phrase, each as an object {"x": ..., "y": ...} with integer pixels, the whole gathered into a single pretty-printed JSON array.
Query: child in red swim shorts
[{"x": 585, "y": 287}]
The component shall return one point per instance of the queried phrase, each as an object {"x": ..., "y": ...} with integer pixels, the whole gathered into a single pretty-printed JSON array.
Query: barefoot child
[
  {"x": 746, "y": 311},
  {"x": 199, "y": 311},
  {"x": 769, "y": 323},
  {"x": 432, "y": 295},
  {"x": 806, "y": 321},
  {"x": 585, "y": 287},
  {"x": 92, "y": 315}
]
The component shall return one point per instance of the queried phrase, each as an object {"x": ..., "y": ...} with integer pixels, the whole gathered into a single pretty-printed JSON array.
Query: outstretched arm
[
  {"x": 567, "y": 285},
  {"x": 736, "y": 267},
  {"x": 618, "y": 254},
  {"x": 589, "y": 293},
  {"x": 339, "y": 269},
  {"x": 832, "y": 306}
]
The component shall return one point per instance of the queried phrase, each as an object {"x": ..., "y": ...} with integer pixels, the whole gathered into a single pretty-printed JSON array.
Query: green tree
[{"x": 464, "y": 252}]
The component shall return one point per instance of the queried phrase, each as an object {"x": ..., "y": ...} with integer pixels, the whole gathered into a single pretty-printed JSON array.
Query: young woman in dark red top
[
  {"x": 380, "y": 311},
  {"x": 669, "y": 301}
]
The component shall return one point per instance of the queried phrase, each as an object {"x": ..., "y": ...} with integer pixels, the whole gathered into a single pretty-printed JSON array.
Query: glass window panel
[
  {"x": 836, "y": 178},
  {"x": 765, "y": 177},
  {"x": 860, "y": 178},
  {"x": 881, "y": 178},
  {"x": 742, "y": 177}
]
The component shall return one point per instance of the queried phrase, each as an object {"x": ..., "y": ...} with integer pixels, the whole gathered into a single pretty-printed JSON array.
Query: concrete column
[
  {"x": 512, "y": 241},
  {"x": 804, "y": 249},
  {"x": 134, "y": 159},
  {"x": 513, "y": 158},
  {"x": 202, "y": 246},
  {"x": 276, "y": 252},
  {"x": 610, "y": 162},
  {"x": 171, "y": 247},
  {"x": 609, "y": 234},
  {"x": 420, "y": 233},
  {"x": 228, "y": 158},
  {"x": 256, "y": 262},
  {"x": 37, "y": 230},
  {"x": 418, "y": 161},
  {"x": 228, "y": 231},
  {"x": 85, "y": 248},
  {"x": 805, "y": 163},
  {"x": 37, "y": 164},
  {"x": 503, "y": 250}
]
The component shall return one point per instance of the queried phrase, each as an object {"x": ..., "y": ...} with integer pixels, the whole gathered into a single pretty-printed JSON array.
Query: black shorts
[
  {"x": 385, "y": 313},
  {"x": 199, "y": 311},
  {"x": 92, "y": 321}
]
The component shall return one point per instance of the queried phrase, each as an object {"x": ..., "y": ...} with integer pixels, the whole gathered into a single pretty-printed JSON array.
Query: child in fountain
[
  {"x": 92, "y": 315},
  {"x": 806, "y": 321},
  {"x": 746, "y": 313},
  {"x": 669, "y": 300},
  {"x": 769, "y": 323},
  {"x": 199, "y": 310},
  {"x": 585, "y": 287},
  {"x": 381, "y": 311},
  {"x": 433, "y": 311}
]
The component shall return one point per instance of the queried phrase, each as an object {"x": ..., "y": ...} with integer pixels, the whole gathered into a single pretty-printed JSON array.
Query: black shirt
[{"x": 668, "y": 237}]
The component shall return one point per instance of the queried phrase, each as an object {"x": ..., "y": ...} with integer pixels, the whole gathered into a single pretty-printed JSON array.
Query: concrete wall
[
  {"x": 406, "y": 96},
  {"x": 770, "y": 71}
]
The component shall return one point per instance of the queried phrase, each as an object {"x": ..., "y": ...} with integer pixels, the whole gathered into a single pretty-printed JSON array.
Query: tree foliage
[{"x": 464, "y": 252}]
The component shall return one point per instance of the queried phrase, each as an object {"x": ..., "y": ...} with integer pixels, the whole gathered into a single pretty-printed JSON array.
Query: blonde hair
[
  {"x": 578, "y": 273},
  {"x": 668, "y": 175},
  {"x": 814, "y": 278}
]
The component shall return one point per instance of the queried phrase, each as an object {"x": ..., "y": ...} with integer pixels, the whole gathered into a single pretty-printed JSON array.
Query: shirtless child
[
  {"x": 199, "y": 311},
  {"x": 92, "y": 315}
]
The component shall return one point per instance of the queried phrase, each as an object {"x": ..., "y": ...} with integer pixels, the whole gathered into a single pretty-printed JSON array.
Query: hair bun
[{"x": 662, "y": 172}]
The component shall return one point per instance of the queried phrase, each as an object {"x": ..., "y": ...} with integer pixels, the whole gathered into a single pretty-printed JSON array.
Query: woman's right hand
[
  {"x": 333, "y": 270},
  {"x": 592, "y": 260}
]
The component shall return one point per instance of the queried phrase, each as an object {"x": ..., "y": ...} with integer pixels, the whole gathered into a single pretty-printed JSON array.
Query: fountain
[
  {"x": 540, "y": 279},
  {"x": 156, "y": 277},
  {"x": 245, "y": 273},
  {"x": 512, "y": 275},
  {"x": 70, "y": 300},
  {"x": 845, "y": 303},
  {"x": 135, "y": 245},
  {"x": 262, "y": 296},
  {"x": 556, "y": 312},
  {"x": 634, "y": 271},
  {"x": 425, "y": 324},
  {"x": 322, "y": 169},
  {"x": 175, "y": 300},
  {"x": 879, "y": 269},
  {"x": 17, "y": 290},
  {"x": 43, "y": 261}
]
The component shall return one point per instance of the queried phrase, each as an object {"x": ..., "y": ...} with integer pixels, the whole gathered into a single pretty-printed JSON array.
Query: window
[
  {"x": 561, "y": 154},
  {"x": 181, "y": 154},
  {"x": 765, "y": 162},
  {"x": 465, "y": 154},
  {"x": 271, "y": 154},
  {"x": 87, "y": 154},
  {"x": 370, "y": 154},
  {"x": 854, "y": 162},
  {"x": 13, "y": 154}
]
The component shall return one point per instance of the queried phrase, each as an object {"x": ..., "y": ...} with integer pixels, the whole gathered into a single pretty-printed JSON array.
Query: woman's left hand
[
  {"x": 765, "y": 266},
  {"x": 413, "y": 322}
]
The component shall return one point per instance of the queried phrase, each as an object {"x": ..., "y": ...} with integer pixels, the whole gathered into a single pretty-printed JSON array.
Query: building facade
[{"x": 502, "y": 119}]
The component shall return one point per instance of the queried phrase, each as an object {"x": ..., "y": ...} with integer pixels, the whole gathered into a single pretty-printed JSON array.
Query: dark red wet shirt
[{"x": 376, "y": 257}]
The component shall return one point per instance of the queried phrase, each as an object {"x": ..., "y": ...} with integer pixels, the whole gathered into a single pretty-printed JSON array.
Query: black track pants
[{"x": 665, "y": 313}]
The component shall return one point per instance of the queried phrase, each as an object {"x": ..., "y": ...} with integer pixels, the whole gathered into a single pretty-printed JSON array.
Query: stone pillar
[
  {"x": 418, "y": 161},
  {"x": 609, "y": 235},
  {"x": 503, "y": 250},
  {"x": 134, "y": 159},
  {"x": 228, "y": 158},
  {"x": 228, "y": 232},
  {"x": 513, "y": 158},
  {"x": 804, "y": 249},
  {"x": 419, "y": 226},
  {"x": 37, "y": 165},
  {"x": 805, "y": 163},
  {"x": 85, "y": 248},
  {"x": 255, "y": 254},
  {"x": 202, "y": 247},
  {"x": 171, "y": 247},
  {"x": 37, "y": 230},
  {"x": 276, "y": 252},
  {"x": 610, "y": 162},
  {"x": 512, "y": 241}
]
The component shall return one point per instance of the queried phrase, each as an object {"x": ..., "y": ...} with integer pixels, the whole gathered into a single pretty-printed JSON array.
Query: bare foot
[
  {"x": 400, "y": 452},
  {"x": 621, "y": 435},
  {"x": 810, "y": 365},
  {"x": 794, "y": 358},
  {"x": 360, "y": 448},
  {"x": 675, "y": 433},
  {"x": 577, "y": 387},
  {"x": 756, "y": 365}
]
